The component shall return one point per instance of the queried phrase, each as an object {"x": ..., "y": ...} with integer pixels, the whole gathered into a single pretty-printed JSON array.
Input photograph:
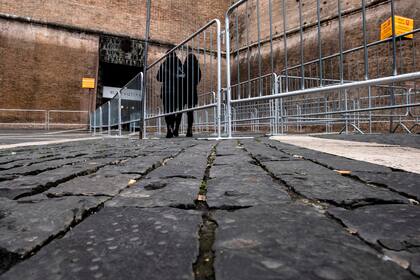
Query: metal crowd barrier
[
  {"x": 283, "y": 74},
  {"x": 363, "y": 83},
  {"x": 123, "y": 110},
  {"x": 46, "y": 119},
  {"x": 170, "y": 81}
]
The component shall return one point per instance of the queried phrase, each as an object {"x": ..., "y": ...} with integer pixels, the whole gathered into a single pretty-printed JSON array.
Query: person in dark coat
[
  {"x": 192, "y": 77},
  {"x": 170, "y": 74}
]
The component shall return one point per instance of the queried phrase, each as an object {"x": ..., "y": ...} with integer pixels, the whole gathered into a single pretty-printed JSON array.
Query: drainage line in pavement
[{"x": 203, "y": 267}]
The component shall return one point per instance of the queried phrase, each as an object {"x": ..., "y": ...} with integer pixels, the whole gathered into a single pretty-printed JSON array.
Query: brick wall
[
  {"x": 42, "y": 68},
  {"x": 42, "y": 64},
  {"x": 172, "y": 20},
  {"x": 378, "y": 12}
]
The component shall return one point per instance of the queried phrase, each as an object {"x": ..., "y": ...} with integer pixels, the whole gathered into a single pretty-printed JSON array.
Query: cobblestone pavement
[{"x": 190, "y": 209}]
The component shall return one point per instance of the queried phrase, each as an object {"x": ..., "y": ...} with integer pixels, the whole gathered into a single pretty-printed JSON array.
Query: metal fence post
[
  {"x": 100, "y": 119},
  {"x": 47, "y": 120},
  {"x": 90, "y": 122},
  {"x": 119, "y": 114},
  {"x": 143, "y": 129},
  {"x": 94, "y": 123},
  {"x": 109, "y": 117},
  {"x": 228, "y": 81},
  {"x": 276, "y": 105}
]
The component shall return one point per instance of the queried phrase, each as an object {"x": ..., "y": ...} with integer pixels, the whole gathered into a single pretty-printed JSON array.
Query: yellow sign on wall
[
  {"x": 402, "y": 25},
  {"x": 88, "y": 83}
]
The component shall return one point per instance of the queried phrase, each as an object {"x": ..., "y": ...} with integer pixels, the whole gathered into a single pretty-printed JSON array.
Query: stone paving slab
[
  {"x": 401, "y": 182},
  {"x": 395, "y": 228},
  {"x": 26, "y": 185},
  {"x": 249, "y": 190},
  {"x": 190, "y": 164},
  {"x": 340, "y": 190},
  {"x": 236, "y": 181},
  {"x": 330, "y": 161},
  {"x": 293, "y": 242},
  {"x": 40, "y": 167},
  {"x": 26, "y": 226},
  {"x": 158, "y": 192},
  {"x": 317, "y": 182},
  {"x": 95, "y": 184},
  {"x": 120, "y": 243}
]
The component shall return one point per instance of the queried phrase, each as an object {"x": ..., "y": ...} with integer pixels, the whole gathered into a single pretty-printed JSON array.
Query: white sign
[{"x": 126, "y": 93}]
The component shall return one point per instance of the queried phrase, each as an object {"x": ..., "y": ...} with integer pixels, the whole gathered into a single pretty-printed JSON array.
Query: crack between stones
[
  {"x": 376, "y": 247},
  {"x": 15, "y": 258},
  {"x": 43, "y": 188},
  {"x": 51, "y": 195},
  {"x": 293, "y": 194},
  {"x": 383, "y": 186},
  {"x": 203, "y": 267}
]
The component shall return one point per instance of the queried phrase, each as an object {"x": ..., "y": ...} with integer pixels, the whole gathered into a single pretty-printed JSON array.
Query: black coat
[
  {"x": 170, "y": 74},
  {"x": 192, "y": 72}
]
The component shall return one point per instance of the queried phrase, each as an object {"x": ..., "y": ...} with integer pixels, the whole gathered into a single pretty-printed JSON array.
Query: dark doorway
[
  {"x": 120, "y": 60},
  {"x": 117, "y": 75}
]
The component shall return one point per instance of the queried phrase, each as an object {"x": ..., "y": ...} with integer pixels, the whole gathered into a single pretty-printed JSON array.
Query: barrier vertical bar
[
  {"x": 321, "y": 70},
  {"x": 90, "y": 122},
  {"x": 285, "y": 44},
  {"x": 119, "y": 114},
  {"x": 219, "y": 78},
  {"x": 100, "y": 119},
  {"x": 142, "y": 130},
  {"x": 47, "y": 120},
  {"x": 394, "y": 42},
  {"x": 366, "y": 60},
  {"x": 94, "y": 123},
  {"x": 109, "y": 117},
  {"x": 302, "y": 67}
]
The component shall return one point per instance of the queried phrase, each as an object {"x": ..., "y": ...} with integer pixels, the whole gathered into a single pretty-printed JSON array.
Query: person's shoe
[
  {"x": 189, "y": 133},
  {"x": 169, "y": 134},
  {"x": 176, "y": 133}
]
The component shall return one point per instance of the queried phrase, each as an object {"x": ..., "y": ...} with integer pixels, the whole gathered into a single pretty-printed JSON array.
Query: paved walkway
[
  {"x": 394, "y": 156},
  {"x": 190, "y": 209},
  {"x": 10, "y": 139}
]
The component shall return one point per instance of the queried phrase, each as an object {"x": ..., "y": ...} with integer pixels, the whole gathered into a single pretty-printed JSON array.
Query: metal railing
[
  {"x": 45, "y": 119},
  {"x": 283, "y": 74},
  {"x": 187, "y": 78},
  {"x": 123, "y": 110},
  {"x": 363, "y": 82}
]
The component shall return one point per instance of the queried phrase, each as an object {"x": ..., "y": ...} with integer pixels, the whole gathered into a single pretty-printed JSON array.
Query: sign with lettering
[
  {"x": 402, "y": 25},
  {"x": 88, "y": 83},
  {"x": 126, "y": 93}
]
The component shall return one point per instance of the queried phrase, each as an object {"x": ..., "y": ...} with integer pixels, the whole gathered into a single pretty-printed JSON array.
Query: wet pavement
[{"x": 196, "y": 209}]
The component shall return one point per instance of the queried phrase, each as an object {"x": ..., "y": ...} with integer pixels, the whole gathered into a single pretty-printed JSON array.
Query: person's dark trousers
[
  {"x": 178, "y": 119},
  {"x": 170, "y": 126},
  {"x": 190, "y": 115}
]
